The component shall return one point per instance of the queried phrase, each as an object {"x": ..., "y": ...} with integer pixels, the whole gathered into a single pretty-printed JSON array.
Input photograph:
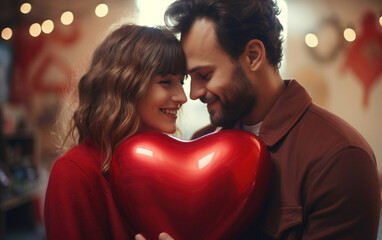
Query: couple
[{"x": 324, "y": 184}]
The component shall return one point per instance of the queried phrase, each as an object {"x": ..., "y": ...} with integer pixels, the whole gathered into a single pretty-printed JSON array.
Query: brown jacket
[{"x": 324, "y": 183}]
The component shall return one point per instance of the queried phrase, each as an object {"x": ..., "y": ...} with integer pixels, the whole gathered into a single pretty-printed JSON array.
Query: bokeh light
[
  {"x": 7, "y": 33},
  {"x": 101, "y": 10},
  {"x": 25, "y": 8},
  {"x": 47, "y": 26},
  {"x": 35, "y": 30},
  {"x": 311, "y": 40},
  {"x": 349, "y": 34},
  {"x": 67, "y": 18}
]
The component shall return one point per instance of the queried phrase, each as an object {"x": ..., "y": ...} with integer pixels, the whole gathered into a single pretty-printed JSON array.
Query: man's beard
[{"x": 239, "y": 98}]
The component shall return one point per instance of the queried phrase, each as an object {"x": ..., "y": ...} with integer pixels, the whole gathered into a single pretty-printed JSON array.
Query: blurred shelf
[{"x": 20, "y": 195}]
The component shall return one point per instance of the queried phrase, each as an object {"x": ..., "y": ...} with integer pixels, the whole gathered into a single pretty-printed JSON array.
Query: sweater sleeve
[
  {"x": 343, "y": 197},
  {"x": 74, "y": 209}
]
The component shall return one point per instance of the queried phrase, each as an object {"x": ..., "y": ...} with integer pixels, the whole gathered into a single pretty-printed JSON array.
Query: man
[{"x": 325, "y": 182}]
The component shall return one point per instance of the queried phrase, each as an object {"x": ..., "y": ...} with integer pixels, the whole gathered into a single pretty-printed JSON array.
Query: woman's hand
[{"x": 162, "y": 236}]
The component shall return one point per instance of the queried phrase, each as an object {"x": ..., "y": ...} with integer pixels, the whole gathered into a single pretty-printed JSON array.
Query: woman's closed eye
[
  {"x": 165, "y": 82},
  {"x": 168, "y": 82}
]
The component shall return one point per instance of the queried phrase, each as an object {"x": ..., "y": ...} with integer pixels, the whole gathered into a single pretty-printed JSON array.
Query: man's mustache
[{"x": 209, "y": 98}]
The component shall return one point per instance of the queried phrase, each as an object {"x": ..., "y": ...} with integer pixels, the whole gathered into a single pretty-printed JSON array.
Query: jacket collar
[{"x": 285, "y": 112}]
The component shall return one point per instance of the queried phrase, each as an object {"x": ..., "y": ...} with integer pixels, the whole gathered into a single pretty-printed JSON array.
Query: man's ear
[{"x": 254, "y": 54}]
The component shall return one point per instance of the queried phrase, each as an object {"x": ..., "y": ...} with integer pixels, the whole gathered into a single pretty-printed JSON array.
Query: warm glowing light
[
  {"x": 7, "y": 33},
  {"x": 349, "y": 34},
  {"x": 380, "y": 20},
  {"x": 101, "y": 10},
  {"x": 67, "y": 18},
  {"x": 311, "y": 40},
  {"x": 47, "y": 26},
  {"x": 25, "y": 8},
  {"x": 35, "y": 30}
]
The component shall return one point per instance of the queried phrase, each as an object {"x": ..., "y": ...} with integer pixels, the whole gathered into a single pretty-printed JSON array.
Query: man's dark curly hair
[{"x": 236, "y": 23}]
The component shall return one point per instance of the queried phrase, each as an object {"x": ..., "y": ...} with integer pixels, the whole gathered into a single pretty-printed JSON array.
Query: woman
[{"x": 134, "y": 84}]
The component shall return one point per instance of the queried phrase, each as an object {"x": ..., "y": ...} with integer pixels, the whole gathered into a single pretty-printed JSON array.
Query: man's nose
[{"x": 198, "y": 89}]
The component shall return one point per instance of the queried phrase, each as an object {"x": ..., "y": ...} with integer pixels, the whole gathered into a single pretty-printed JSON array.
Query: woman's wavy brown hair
[{"x": 121, "y": 70}]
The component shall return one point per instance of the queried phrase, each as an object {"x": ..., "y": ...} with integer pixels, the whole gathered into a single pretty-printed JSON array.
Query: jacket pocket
[{"x": 281, "y": 221}]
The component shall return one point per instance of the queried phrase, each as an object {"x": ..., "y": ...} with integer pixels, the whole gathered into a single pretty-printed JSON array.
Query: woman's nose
[{"x": 179, "y": 96}]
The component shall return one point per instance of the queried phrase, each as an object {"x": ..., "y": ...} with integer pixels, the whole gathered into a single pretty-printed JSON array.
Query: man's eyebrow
[{"x": 194, "y": 69}]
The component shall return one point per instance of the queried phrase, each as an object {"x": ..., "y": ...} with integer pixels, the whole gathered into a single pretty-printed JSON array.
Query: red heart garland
[{"x": 208, "y": 188}]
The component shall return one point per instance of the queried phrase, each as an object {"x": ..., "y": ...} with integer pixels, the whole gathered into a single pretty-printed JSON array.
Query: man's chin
[
  {"x": 215, "y": 120},
  {"x": 219, "y": 121}
]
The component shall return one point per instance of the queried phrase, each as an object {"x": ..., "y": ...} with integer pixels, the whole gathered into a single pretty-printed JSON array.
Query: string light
[
  {"x": 35, "y": 30},
  {"x": 47, "y": 26},
  {"x": 67, "y": 18},
  {"x": 25, "y": 8},
  {"x": 349, "y": 34},
  {"x": 7, "y": 33},
  {"x": 101, "y": 10},
  {"x": 311, "y": 40}
]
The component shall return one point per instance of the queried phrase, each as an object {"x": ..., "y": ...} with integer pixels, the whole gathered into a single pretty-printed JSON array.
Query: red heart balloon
[{"x": 207, "y": 188}]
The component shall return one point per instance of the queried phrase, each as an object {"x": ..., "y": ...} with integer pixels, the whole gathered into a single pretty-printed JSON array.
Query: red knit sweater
[{"x": 79, "y": 203}]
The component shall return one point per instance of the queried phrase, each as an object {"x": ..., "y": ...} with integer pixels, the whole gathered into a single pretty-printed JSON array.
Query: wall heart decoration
[
  {"x": 364, "y": 55},
  {"x": 208, "y": 188}
]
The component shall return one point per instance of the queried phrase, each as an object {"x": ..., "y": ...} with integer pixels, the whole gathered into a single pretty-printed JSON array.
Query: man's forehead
[
  {"x": 201, "y": 35},
  {"x": 200, "y": 46},
  {"x": 204, "y": 25}
]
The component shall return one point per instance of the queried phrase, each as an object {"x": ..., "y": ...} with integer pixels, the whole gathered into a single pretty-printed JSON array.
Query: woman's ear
[{"x": 254, "y": 54}]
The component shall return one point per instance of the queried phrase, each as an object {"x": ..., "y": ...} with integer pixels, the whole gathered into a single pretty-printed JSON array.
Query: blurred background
[{"x": 332, "y": 47}]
